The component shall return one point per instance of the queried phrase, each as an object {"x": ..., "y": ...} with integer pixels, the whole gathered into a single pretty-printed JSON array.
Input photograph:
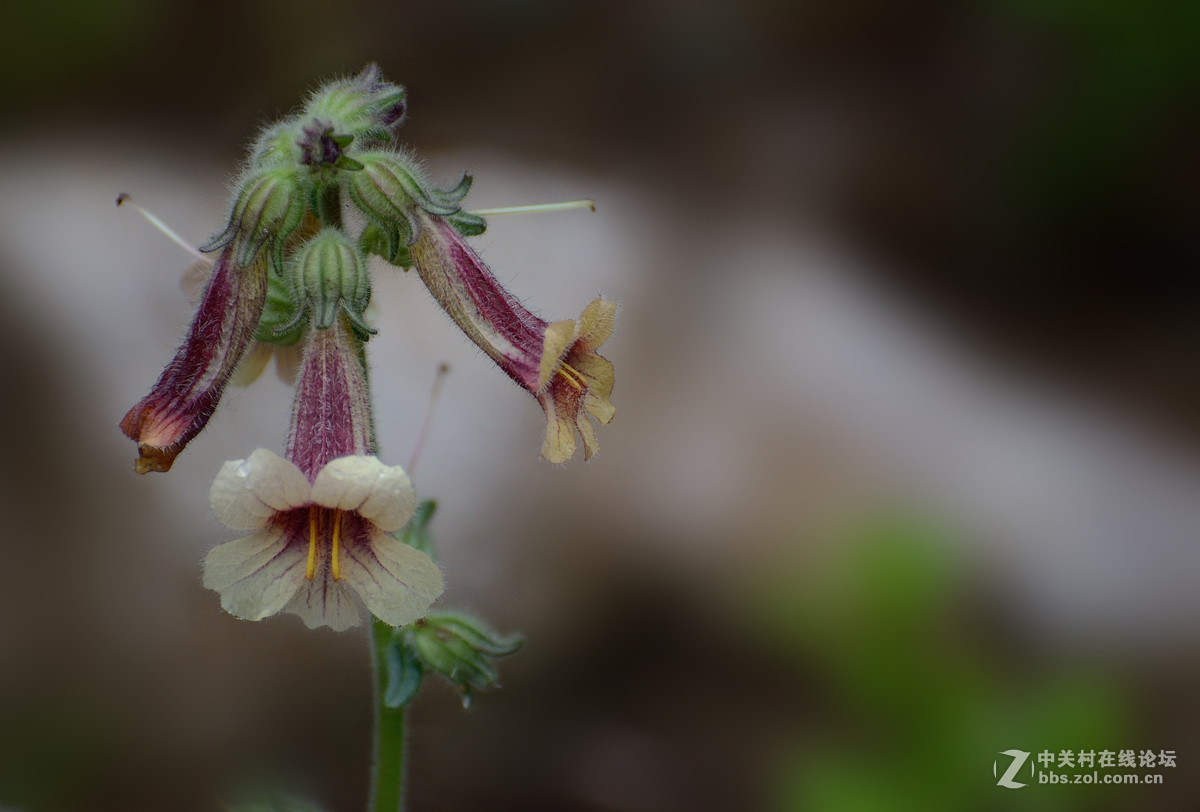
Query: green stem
[
  {"x": 387, "y": 776},
  {"x": 329, "y": 205}
]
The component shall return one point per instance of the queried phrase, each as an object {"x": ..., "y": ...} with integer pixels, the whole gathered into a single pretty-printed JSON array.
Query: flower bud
[
  {"x": 461, "y": 648},
  {"x": 390, "y": 191},
  {"x": 458, "y": 647},
  {"x": 330, "y": 277},
  {"x": 268, "y": 209},
  {"x": 364, "y": 105}
]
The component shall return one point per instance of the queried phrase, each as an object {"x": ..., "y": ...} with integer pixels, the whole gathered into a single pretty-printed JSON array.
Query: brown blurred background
[{"x": 904, "y": 471}]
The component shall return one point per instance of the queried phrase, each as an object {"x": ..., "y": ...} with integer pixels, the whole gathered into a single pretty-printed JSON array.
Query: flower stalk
[{"x": 333, "y": 530}]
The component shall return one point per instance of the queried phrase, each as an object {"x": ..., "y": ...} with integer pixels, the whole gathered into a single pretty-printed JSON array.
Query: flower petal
[
  {"x": 252, "y": 364},
  {"x": 257, "y": 575},
  {"x": 597, "y": 372},
  {"x": 287, "y": 361},
  {"x": 325, "y": 602},
  {"x": 397, "y": 583},
  {"x": 596, "y": 324},
  {"x": 555, "y": 344},
  {"x": 247, "y": 493},
  {"x": 559, "y": 445},
  {"x": 382, "y": 494},
  {"x": 590, "y": 446}
]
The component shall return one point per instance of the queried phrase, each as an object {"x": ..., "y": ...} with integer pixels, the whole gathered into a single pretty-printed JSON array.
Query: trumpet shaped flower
[
  {"x": 180, "y": 404},
  {"x": 556, "y": 362},
  {"x": 316, "y": 546}
]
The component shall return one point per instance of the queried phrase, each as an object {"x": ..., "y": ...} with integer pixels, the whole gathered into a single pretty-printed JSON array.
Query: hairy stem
[
  {"x": 387, "y": 776},
  {"x": 329, "y": 205}
]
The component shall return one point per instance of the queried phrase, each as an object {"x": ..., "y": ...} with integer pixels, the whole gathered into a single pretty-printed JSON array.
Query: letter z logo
[{"x": 1018, "y": 761}]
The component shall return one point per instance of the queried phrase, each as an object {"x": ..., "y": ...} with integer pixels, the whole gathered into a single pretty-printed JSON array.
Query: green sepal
[
  {"x": 404, "y": 673},
  {"x": 452, "y": 197},
  {"x": 478, "y": 636},
  {"x": 381, "y": 134},
  {"x": 467, "y": 224},
  {"x": 395, "y": 226},
  {"x": 329, "y": 276},
  {"x": 267, "y": 210},
  {"x": 348, "y": 164},
  {"x": 391, "y": 189},
  {"x": 281, "y": 320},
  {"x": 374, "y": 239}
]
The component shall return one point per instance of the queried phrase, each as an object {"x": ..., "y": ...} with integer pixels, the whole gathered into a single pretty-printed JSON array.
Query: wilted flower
[
  {"x": 316, "y": 545},
  {"x": 555, "y": 362},
  {"x": 189, "y": 389}
]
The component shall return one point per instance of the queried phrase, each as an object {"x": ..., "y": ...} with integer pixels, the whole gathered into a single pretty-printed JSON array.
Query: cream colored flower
[
  {"x": 556, "y": 362},
  {"x": 318, "y": 546}
]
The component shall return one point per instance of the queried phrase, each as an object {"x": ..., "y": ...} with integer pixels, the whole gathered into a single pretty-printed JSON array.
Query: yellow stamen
[
  {"x": 311, "y": 569},
  {"x": 572, "y": 376},
  {"x": 336, "y": 565}
]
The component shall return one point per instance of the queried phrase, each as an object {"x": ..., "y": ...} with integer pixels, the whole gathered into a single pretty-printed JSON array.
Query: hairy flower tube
[
  {"x": 556, "y": 362},
  {"x": 321, "y": 517},
  {"x": 180, "y": 404}
]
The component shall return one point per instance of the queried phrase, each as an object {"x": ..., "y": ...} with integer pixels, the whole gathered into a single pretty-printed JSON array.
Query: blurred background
[{"x": 904, "y": 471}]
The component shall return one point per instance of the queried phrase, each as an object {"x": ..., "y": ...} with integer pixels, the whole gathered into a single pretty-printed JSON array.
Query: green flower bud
[
  {"x": 276, "y": 146},
  {"x": 461, "y": 648},
  {"x": 364, "y": 105},
  {"x": 268, "y": 208},
  {"x": 458, "y": 647},
  {"x": 389, "y": 190},
  {"x": 329, "y": 276}
]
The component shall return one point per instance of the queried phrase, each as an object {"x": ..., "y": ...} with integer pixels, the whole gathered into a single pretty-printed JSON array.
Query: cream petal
[
  {"x": 252, "y": 364},
  {"x": 325, "y": 602},
  {"x": 246, "y": 493},
  {"x": 555, "y": 344},
  {"x": 382, "y": 494},
  {"x": 288, "y": 358},
  {"x": 397, "y": 583},
  {"x": 257, "y": 575},
  {"x": 596, "y": 324},
  {"x": 559, "y": 445},
  {"x": 590, "y": 446}
]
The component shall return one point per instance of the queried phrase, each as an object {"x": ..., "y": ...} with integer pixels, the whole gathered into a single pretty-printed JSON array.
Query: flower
[
  {"x": 316, "y": 545},
  {"x": 180, "y": 404},
  {"x": 555, "y": 362},
  {"x": 322, "y": 515}
]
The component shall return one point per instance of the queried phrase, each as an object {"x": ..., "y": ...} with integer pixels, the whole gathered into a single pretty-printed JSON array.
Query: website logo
[{"x": 1019, "y": 757}]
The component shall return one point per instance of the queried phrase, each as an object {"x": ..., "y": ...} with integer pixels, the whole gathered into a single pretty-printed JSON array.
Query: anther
[
  {"x": 311, "y": 569},
  {"x": 571, "y": 376},
  {"x": 335, "y": 564}
]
